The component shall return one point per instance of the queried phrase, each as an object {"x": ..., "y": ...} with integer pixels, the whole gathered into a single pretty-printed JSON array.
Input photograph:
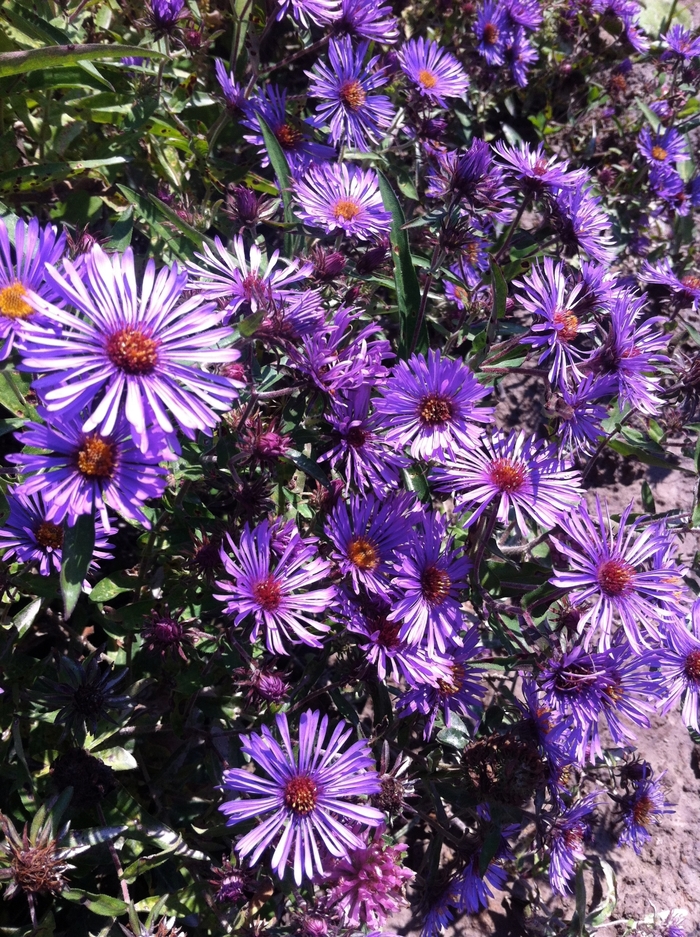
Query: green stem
[{"x": 513, "y": 225}]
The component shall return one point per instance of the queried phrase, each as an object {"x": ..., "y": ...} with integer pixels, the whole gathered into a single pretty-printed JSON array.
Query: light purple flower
[
  {"x": 580, "y": 417},
  {"x": 679, "y": 666},
  {"x": 342, "y": 197},
  {"x": 492, "y": 31},
  {"x": 308, "y": 796},
  {"x": 435, "y": 73},
  {"x": 565, "y": 836},
  {"x": 687, "y": 287},
  {"x": 368, "y": 19},
  {"x": 308, "y": 12},
  {"x": 520, "y": 54},
  {"x": 534, "y": 170},
  {"x": 645, "y": 804},
  {"x": 666, "y": 147},
  {"x": 582, "y": 222},
  {"x": 682, "y": 42}
]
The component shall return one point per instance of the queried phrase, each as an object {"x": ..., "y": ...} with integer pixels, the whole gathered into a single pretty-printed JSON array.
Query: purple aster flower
[
  {"x": 440, "y": 913},
  {"x": 474, "y": 177},
  {"x": 292, "y": 135},
  {"x": 462, "y": 692},
  {"x": 356, "y": 116},
  {"x": 613, "y": 571},
  {"x": 645, "y": 804},
  {"x": 515, "y": 472},
  {"x": 279, "y": 591},
  {"x": 367, "y": 460},
  {"x": 679, "y": 666},
  {"x": 472, "y": 264},
  {"x": 84, "y": 472},
  {"x": 668, "y": 147},
  {"x": 681, "y": 42},
  {"x": 628, "y": 12},
  {"x": 580, "y": 417},
  {"x": 430, "y": 405},
  {"x": 492, "y": 31},
  {"x": 687, "y": 288},
  {"x": 525, "y": 13},
  {"x": 599, "y": 288},
  {"x": 308, "y": 797},
  {"x": 164, "y": 15},
  {"x": 339, "y": 197},
  {"x": 551, "y": 729},
  {"x": 130, "y": 351},
  {"x": 533, "y": 170},
  {"x": 29, "y": 537},
  {"x": 247, "y": 283},
  {"x": 366, "y": 537},
  {"x": 368, "y": 19},
  {"x": 471, "y": 888},
  {"x": 582, "y": 223},
  {"x": 431, "y": 575},
  {"x": 564, "y": 838},
  {"x": 550, "y": 295},
  {"x": 435, "y": 73},
  {"x": 22, "y": 271},
  {"x": 519, "y": 55},
  {"x": 668, "y": 186},
  {"x": 234, "y": 94},
  {"x": 308, "y": 12}
]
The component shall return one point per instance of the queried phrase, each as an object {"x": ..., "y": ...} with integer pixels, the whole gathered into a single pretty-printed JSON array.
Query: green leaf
[
  {"x": 308, "y": 466},
  {"x": 122, "y": 231},
  {"x": 104, "y": 905},
  {"x": 407, "y": 287},
  {"x": 653, "y": 119},
  {"x": 25, "y": 619},
  {"x": 149, "y": 213},
  {"x": 77, "y": 550},
  {"x": 112, "y": 586},
  {"x": 118, "y": 758},
  {"x": 249, "y": 326},
  {"x": 279, "y": 163},
  {"x": 454, "y": 737},
  {"x": 29, "y": 60},
  {"x": 13, "y": 390},
  {"x": 192, "y": 233},
  {"x": 648, "y": 498}
]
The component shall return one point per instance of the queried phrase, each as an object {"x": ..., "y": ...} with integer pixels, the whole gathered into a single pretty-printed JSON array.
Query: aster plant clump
[{"x": 329, "y": 331}]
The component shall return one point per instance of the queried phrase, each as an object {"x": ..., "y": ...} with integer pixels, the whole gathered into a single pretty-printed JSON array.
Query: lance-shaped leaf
[
  {"x": 30, "y": 60},
  {"x": 77, "y": 550}
]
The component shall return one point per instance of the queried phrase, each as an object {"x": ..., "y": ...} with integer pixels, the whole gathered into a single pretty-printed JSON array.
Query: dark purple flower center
[
  {"x": 96, "y": 457},
  {"x": 427, "y": 78},
  {"x": 574, "y": 679},
  {"x": 132, "y": 351},
  {"x": 691, "y": 668},
  {"x": 642, "y": 811},
  {"x": 507, "y": 475},
  {"x": 288, "y": 136},
  {"x": 267, "y": 593},
  {"x": 49, "y": 535},
  {"x": 490, "y": 34},
  {"x": 357, "y": 437},
  {"x": 165, "y": 631},
  {"x": 353, "y": 95},
  {"x": 363, "y": 553},
  {"x": 435, "y": 409},
  {"x": 435, "y": 585},
  {"x": 658, "y": 152},
  {"x": 388, "y": 636},
  {"x": 454, "y": 685},
  {"x": 13, "y": 305},
  {"x": 300, "y": 795},
  {"x": 540, "y": 167},
  {"x": 569, "y": 325},
  {"x": 615, "y": 577}
]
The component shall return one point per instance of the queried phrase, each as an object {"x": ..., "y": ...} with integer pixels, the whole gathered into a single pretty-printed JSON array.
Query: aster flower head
[
  {"x": 681, "y": 43},
  {"x": 579, "y": 417},
  {"x": 492, "y": 30},
  {"x": 550, "y": 727},
  {"x": 515, "y": 472},
  {"x": 613, "y": 570},
  {"x": 565, "y": 836},
  {"x": 474, "y": 177},
  {"x": 129, "y": 350},
  {"x": 431, "y": 573},
  {"x": 686, "y": 288},
  {"x": 533, "y": 170},
  {"x": 309, "y": 792},
  {"x": 345, "y": 85},
  {"x": 368, "y": 19},
  {"x": 29, "y": 537},
  {"x": 308, "y": 12},
  {"x": 430, "y": 405},
  {"x": 582, "y": 223},
  {"x": 84, "y": 694},
  {"x": 280, "y": 592},
  {"x": 164, "y": 15},
  {"x": 433, "y": 71},
  {"x": 234, "y": 94},
  {"x": 23, "y": 271},
  {"x": 641, "y": 807},
  {"x": 520, "y": 54},
  {"x": 165, "y": 634},
  {"x": 679, "y": 666},
  {"x": 525, "y": 13},
  {"x": 342, "y": 197},
  {"x": 84, "y": 473},
  {"x": 666, "y": 147},
  {"x": 232, "y": 884}
]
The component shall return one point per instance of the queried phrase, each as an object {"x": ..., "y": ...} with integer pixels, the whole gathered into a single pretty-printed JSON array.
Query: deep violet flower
[
  {"x": 27, "y": 536},
  {"x": 85, "y": 472},
  {"x": 533, "y": 169},
  {"x": 345, "y": 85},
  {"x": 515, "y": 472},
  {"x": 682, "y": 43},
  {"x": 135, "y": 350},
  {"x": 368, "y": 19},
  {"x": 164, "y": 15},
  {"x": 307, "y": 12},
  {"x": 234, "y": 94},
  {"x": 307, "y": 795},
  {"x": 645, "y": 804},
  {"x": 22, "y": 270},
  {"x": 580, "y": 417},
  {"x": 613, "y": 578},
  {"x": 520, "y": 54},
  {"x": 430, "y": 405},
  {"x": 687, "y": 287},
  {"x": 564, "y": 838},
  {"x": 582, "y": 223},
  {"x": 525, "y": 13},
  {"x": 280, "y": 592},
  {"x": 492, "y": 32},
  {"x": 435, "y": 73},
  {"x": 342, "y": 197},
  {"x": 668, "y": 147},
  {"x": 679, "y": 666},
  {"x": 474, "y": 177}
]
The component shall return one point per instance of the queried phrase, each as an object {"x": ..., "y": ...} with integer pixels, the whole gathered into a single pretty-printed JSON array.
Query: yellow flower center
[
  {"x": 13, "y": 305},
  {"x": 426, "y": 78},
  {"x": 346, "y": 209},
  {"x": 96, "y": 457}
]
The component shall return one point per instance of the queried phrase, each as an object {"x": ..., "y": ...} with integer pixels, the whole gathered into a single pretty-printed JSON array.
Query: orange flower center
[
  {"x": 691, "y": 282},
  {"x": 363, "y": 553},
  {"x": 507, "y": 475},
  {"x": 426, "y": 78},
  {"x": 643, "y": 810},
  {"x": 353, "y": 95},
  {"x": 132, "y": 351},
  {"x": 96, "y": 457},
  {"x": 300, "y": 795},
  {"x": 450, "y": 687},
  {"x": 268, "y": 593},
  {"x": 658, "y": 152},
  {"x": 435, "y": 410},
  {"x": 346, "y": 209},
  {"x": 569, "y": 325},
  {"x": 615, "y": 577},
  {"x": 13, "y": 305},
  {"x": 288, "y": 136},
  {"x": 49, "y": 535},
  {"x": 490, "y": 34},
  {"x": 435, "y": 585},
  {"x": 691, "y": 667}
]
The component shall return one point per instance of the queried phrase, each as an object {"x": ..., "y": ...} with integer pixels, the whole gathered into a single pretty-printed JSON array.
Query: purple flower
[
  {"x": 248, "y": 283},
  {"x": 431, "y": 575},
  {"x": 292, "y": 135},
  {"x": 22, "y": 271},
  {"x": 472, "y": 264},
  {"x": 434, "y": 72},
  {"x": 308, "y": 797},
  {"x": 550, "y": 727},
  {"x": 234, "y": 94},
  {"x": 533, "y": 170},
  {"x": 429, "y": 405},
  {"x": 339, "y": 197},
  {"x": 85, "y": 472},
  {"x": 306, "y": 12},
  {"x": 515, "y": 472},
  {"x": 520, "y": 54},
  {"x": 687, "y": 288},
  {"x": 164, "y": 15},
  {"x": 681, "y": 42},
  {"x": 471, "y": 888},
  {"x": 580, "y": 418},
  {"x": 366, "y": 538},
  {"x": 582, "y": 223},
  {"x": 474, "y": 177},
  {"x": 526, "y": 13},
  {"x": 367, "y": 460},
  {"x": 565, "y": 836},
  {"x": 492, "y": 32},
  {"x": 462, "y": 692},
  {"x": 131, "y": 350},
  {"x": 368, "y": 19},
  {"x": 645, "y": 804},
  {"x": 355, "y": 115},
  {"x": 29, "y": 537},
  {"x": 614, "y": 572},
  {"x": 668, "y": 147},
  {"x": 280, "y": 591},
  {"x": 679, "y": 666},
  {"x": 669, "y": 187}
]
